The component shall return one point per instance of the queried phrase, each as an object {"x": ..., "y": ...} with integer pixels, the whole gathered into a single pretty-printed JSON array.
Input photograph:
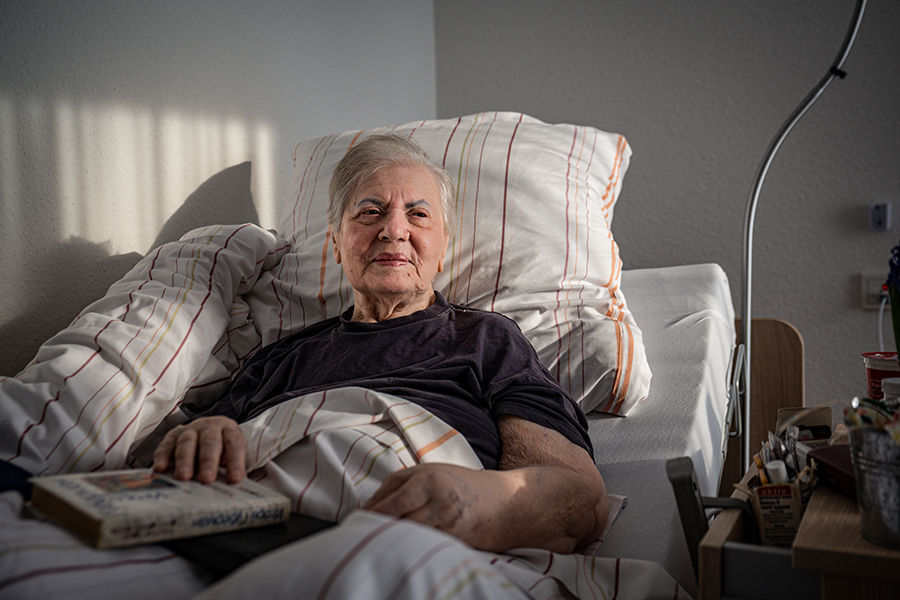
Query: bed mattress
[{"x": 686, "y": 316}]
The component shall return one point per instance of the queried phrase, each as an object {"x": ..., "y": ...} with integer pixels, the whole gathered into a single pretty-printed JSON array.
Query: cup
[{"x": 879, "y": 365}]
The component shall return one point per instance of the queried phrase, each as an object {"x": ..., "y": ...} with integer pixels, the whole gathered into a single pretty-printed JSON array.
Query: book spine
[{"x": 128, "y": 530}]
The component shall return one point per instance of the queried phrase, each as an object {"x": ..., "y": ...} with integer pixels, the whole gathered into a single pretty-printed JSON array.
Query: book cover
[
  {"x": 225, "y": 552},
  {"x": 835, "y": 467},
  {"x": 138, "y": 506}
]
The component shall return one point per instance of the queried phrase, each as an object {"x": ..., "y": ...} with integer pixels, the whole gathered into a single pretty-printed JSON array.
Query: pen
[{"x": 763, "y": 477}]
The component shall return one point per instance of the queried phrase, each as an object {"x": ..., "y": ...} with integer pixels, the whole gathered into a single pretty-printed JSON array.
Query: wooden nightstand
[
  {"x": 829, "y": 558},
  {"x": 829, "y": 540}
]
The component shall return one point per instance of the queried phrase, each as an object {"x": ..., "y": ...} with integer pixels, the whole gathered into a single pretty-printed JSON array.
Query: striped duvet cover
[{"x": 173, "y": 331}]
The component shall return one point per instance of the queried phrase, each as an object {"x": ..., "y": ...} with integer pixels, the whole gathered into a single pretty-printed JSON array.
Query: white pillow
[{"x": 534, "y": 204}]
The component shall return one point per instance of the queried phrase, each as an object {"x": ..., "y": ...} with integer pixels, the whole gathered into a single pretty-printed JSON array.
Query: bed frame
[{"x": 777, "y": 381}]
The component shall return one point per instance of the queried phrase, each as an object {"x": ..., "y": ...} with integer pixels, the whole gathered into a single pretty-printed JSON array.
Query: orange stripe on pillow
[
  {"x": 587, "y": 261},
  {"x": 503, "y": 217},
  {"x": 304, "y": 186},
  {"x": 610, "y": 195},
  {"x": 629, "y": 365},
  {"x": 462, "y": 176},
  {"x": 565, "y": 273},
  {"x": 468, "y": 149},
  {"x": 617, "y": 382},
  {"x": 308, "y": 191},
  {"x": 450, "y": 139},
  {"x": 487, "y": 133},
  {"x": 354, "y": 140},
  {"x": 623, "y": 371}
]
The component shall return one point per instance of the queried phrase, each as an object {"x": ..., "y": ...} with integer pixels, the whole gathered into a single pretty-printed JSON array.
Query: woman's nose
[{"x": 394, "y": 226}]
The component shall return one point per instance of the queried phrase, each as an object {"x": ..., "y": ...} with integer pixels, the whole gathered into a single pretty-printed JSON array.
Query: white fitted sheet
[{"x": 687, "y": 319}]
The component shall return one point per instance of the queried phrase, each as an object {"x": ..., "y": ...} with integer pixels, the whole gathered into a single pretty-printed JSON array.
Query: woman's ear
[
  {"x": 335, "y": 246},
  {"x": 441, "y": 261}
]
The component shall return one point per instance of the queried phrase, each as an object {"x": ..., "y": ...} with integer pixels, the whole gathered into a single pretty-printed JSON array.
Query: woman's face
[{"x": 392, "y": 241}]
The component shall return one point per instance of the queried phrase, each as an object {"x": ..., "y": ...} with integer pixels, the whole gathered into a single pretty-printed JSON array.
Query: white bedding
[
  {"x": 688, "y": 309},
  {"x": 328, "y": 451},
  {"x": 687, "y": 318}
]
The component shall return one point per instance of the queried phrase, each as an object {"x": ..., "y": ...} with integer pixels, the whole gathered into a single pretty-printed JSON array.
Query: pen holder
[
  {"x": 876, "y": 464},
  {"x": 779, "y": 507}
]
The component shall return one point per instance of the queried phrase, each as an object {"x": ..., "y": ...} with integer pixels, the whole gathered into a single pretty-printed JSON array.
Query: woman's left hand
[
  {"x": 446, "y": 497},
  {"x": 547, "y": 494}
]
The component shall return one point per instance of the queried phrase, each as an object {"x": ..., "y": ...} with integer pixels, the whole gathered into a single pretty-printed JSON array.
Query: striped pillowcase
[{"x": 534, "y": 204}]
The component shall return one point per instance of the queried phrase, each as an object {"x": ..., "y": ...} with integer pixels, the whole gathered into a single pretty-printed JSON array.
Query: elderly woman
[{"x": 391, "y": 222}]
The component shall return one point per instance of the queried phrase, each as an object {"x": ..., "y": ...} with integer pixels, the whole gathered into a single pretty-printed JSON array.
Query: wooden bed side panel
[
  {"x": 777, "y": 380},
  {"x": 728, "y": 527}
]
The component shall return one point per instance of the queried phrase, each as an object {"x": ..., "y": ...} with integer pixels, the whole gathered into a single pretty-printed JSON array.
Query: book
[
  {"x": 138, "y": 506},
  {"x": 835, "y": 467}
]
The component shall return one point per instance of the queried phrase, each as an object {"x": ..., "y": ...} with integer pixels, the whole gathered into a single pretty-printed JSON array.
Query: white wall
[
  {"x": 126, "y": 123},
  {"x": 699, "y": 87}
]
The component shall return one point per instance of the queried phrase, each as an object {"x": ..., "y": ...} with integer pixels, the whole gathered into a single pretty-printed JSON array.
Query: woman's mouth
[{"x": 391, "y": 260}]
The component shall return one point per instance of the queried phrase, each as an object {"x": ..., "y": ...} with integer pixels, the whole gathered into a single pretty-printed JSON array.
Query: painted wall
[
  {"x": 126, "y": 123},
  {"x": 699, "y": 89}
]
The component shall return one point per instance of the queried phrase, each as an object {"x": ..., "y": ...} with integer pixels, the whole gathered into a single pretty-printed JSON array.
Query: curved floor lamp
[{"x": 744, "y": 358}]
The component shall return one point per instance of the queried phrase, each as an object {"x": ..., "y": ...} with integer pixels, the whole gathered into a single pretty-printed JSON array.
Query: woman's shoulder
[{"x": 487, "y": 319}]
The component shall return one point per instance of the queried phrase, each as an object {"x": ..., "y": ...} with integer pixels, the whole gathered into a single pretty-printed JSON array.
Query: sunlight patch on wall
[
  {"x": 11, "y": 213},
  {"x": 264, "y": 149},
  {"x": 114, "y": 174}
]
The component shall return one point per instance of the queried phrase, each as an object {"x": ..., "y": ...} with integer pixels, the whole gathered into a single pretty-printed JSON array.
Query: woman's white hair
[{"x": 378, "y": 152}]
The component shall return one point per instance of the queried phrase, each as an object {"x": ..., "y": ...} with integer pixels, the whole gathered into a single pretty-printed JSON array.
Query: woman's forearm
[
  {"x": 546, "y": 507},
  {"x": 547, "y": 494}
]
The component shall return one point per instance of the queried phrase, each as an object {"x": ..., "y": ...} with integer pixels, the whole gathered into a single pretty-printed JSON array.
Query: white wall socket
[
  {"x": 880, "y": 216},
  {"x": 872, "y": 286}
]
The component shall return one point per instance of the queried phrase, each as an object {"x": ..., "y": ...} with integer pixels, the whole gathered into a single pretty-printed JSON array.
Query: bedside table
[
  {"x": 829, "y": 541},
  {"x": 829, "y": 558}
]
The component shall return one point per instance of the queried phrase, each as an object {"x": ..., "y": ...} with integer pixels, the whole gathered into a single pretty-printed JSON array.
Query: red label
[{"x": 774, "y": 490}]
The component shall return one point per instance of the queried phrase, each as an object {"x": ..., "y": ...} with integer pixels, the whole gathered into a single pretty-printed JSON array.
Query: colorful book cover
[{"x": 121, "y": 508}]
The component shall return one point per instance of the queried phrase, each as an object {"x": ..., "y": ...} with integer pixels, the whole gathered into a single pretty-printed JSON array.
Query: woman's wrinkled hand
[
  {"x": 442, "y": 496},
  {"x": 204, "y": 444}
]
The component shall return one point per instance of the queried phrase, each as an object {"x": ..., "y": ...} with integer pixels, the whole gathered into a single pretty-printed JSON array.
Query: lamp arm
[{"x": 762, "y": 170}]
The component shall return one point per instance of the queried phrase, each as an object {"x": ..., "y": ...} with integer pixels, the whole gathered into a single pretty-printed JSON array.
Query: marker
[{"x": 763, "y": 478}]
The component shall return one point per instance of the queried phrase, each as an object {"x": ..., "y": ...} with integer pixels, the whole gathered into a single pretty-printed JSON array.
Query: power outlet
[
  {"x": 872, "y": 290},
  {"x": 880, "y": 216}
]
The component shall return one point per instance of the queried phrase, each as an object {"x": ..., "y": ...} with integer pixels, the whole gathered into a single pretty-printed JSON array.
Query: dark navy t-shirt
[{"x": 466, "y": 366}]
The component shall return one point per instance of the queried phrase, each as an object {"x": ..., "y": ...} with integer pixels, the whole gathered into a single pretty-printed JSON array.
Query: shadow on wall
[
  {"x": 80, "y": 271},
  {"x": 224, "y": 198}
]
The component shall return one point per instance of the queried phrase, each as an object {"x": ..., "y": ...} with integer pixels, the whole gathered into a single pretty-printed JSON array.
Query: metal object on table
[{"x": 876, "y": 464}]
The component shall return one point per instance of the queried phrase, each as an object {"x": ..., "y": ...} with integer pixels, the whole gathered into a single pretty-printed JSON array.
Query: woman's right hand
[{"x": 205, "y": 444}]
